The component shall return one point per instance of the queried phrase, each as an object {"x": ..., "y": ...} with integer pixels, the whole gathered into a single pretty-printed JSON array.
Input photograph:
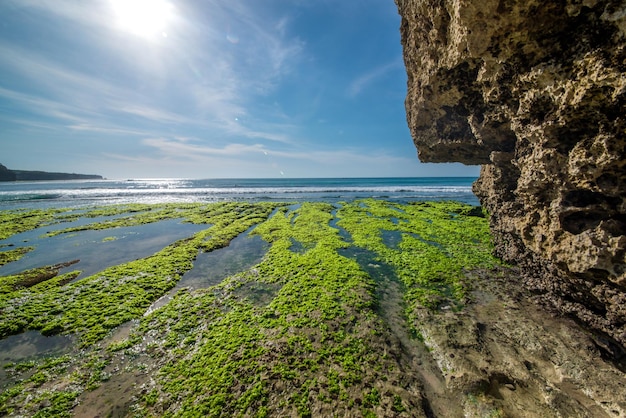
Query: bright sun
[{"x": 145, "y": 18}]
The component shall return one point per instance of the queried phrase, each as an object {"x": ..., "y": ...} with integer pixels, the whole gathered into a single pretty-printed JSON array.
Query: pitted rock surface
[
  {"x": 535, "y": 92},
  {"x": 503, "y": 355}
]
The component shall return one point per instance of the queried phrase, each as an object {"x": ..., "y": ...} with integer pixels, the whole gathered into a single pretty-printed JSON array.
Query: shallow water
[
  {"x": 31, "y": 345},
  {"x": 343, "y": 234},
  {"x": 100, "y": 249},
  {"x": 57, "y": 225},
  {"x": 370, "y": 263},
  {"x": 297, "y": 247},
  {"x": 209, "y": 269},
  {"x": 241, "y": 254},
  {"x": 391, "y": 239}
]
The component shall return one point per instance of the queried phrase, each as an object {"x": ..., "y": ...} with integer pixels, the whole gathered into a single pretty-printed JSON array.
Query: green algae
[
  {"x": 14, "y": 254},
  {"x": 99, "y": 303},
  {"x": 17, "y": 221},
  {"x": 47, "y": 403},
  {"x": 440, "y": 241},
  {"x": 141, "y": 214},
  {"x": 135, "y": 215},
  {"x": 310, "y": 328},
  {"x": 315, "y": 341},
  {"x": 33, "y": 277}
]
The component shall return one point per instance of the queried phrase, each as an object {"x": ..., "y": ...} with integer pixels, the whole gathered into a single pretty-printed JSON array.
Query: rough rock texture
[
  {"x": 502, "y": 356},
  {"x": 534, "y": 91}
]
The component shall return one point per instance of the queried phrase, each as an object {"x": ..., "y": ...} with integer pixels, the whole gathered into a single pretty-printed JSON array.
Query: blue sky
[{"x": 206, "y": 89}]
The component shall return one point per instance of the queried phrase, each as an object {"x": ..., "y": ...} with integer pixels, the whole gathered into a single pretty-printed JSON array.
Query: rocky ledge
[
  {"x": 502, "y": 356},
  {"x": 535, "y": 92}
]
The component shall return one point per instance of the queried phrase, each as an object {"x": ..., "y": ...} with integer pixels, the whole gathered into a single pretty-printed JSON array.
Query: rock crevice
[{"x": 535, "y": 92}]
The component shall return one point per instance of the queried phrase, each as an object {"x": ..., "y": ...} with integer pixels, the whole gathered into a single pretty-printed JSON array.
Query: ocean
[{"x": 51, "y": 194}]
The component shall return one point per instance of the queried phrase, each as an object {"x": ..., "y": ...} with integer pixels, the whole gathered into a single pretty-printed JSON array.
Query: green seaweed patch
[
  {"x": 312, "y": 342},
  {"x": 440, "y": 242},
  {"x": 141, "y": 215},
  {"x": 13, "y": 255},
  {"x": 17, "y": 221},
  {"x": 109, "y": 239},
  {"x": 96, "y": 304},
  {"x": 114, "y": 210},
  {"x": 32, "y": 277},
  {"x": 28, "y": 393},
  {"x": 197, "y": 213}
]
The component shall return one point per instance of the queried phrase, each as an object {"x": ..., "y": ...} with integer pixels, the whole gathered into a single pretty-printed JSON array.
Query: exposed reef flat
[{"x": 365, "y": 308}]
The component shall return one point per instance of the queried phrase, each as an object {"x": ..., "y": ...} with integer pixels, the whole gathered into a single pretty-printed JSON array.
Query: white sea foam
[{"x": 80, "y": 193}]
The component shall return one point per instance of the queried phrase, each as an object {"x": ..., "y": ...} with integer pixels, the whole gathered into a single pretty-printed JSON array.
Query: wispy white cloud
[
  {"x": 93, "y": 13},
  {"x": 140, "y": 159},
  {"x": 194, "y": 150},
  {"x": 107, "y": 129},
  {"x": 87, "y": 101},
  {"x": 183, "y": 148},
  {"x": 52, "y": 79},
  {"x": 254, "y": 164},
  {"x": 154, "y": 114},
  {"x": 196, "y": 81},
  {"x": 62, "y": 115},
  {"x": 53, "y": 109},
  {"x": 370, "y": 77},
  {"x": 347, "y": 156},
  {"x": 7, "y": 120},
  {"x": 29, "y": 100},
  {"x": 254, "y": 65}
]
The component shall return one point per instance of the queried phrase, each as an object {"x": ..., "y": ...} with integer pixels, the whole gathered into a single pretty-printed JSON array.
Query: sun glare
[{"x": 145, "y": 18}]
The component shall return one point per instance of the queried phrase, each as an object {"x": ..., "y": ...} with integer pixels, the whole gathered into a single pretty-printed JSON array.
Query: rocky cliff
[
  {"x": 24, "y": 175},
  {"x": 535, "y": 92},
  {"x": 6, "y": 174}
]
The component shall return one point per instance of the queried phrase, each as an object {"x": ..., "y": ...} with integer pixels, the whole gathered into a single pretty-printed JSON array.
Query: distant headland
[{"x": 23, "y": 175}]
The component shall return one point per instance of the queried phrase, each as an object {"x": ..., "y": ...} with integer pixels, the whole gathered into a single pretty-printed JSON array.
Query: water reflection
[
  {"x": 30, "y": 345},
  {"x": 209, "y": 269},
  {"x": 97, "y": 250}
]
